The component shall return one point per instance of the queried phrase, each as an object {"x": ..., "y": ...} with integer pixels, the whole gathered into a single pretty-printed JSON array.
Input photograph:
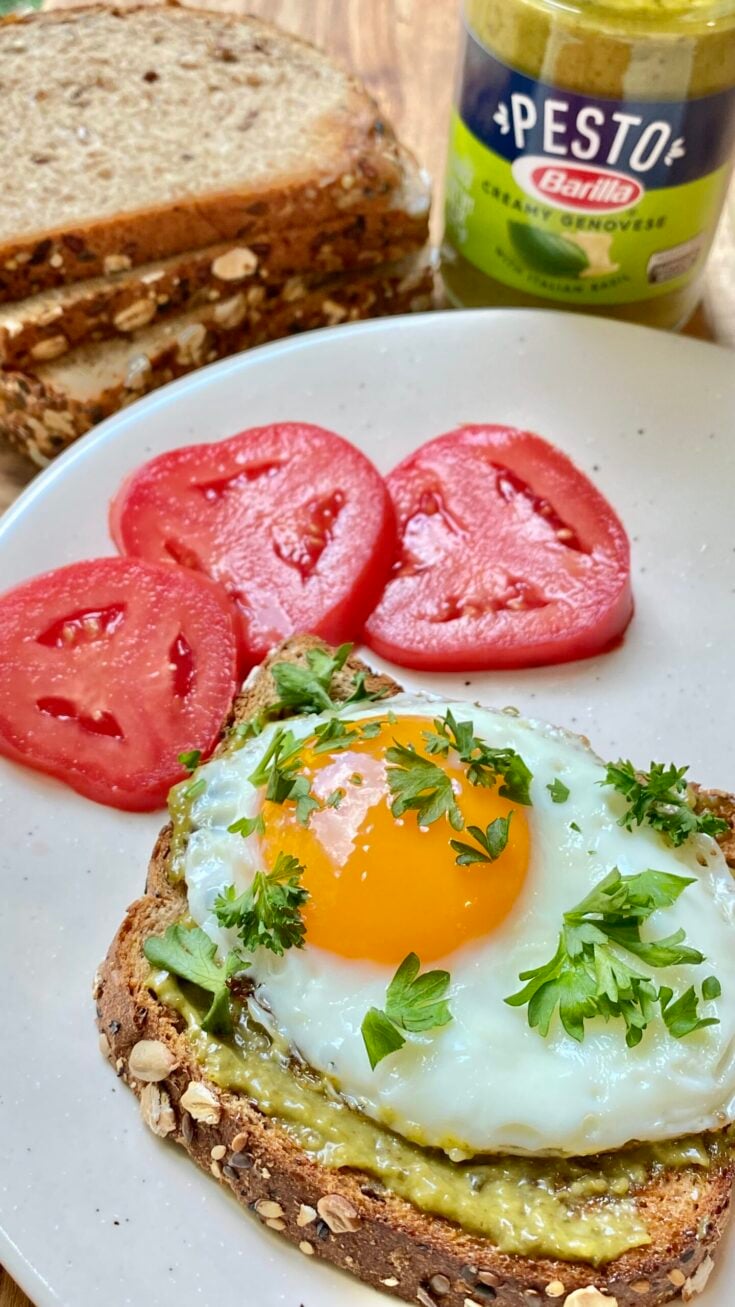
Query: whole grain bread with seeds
[
  {"x": 45, "y": 326},
  {"x": 103, "y": 172},
  {"x": 349, "y": 1216},
  {"x": 44, "y": 409}
]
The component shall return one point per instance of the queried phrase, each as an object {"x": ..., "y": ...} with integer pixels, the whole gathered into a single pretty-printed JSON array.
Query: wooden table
[{"x": 405, "y": 52}]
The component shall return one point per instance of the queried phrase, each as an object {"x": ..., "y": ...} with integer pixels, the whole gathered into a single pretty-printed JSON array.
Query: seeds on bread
[
  {"x": 102, "y": 170},
  {"x": 348, "y": 1218},
  {"x": 47, "y": 325},
  {"x": 44, "y": 410}
]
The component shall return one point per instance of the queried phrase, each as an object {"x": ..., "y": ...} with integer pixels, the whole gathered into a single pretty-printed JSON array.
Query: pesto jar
[{"x": 590, "y": 154}]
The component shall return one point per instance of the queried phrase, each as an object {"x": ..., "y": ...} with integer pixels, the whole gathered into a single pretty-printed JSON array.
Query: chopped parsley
[
  {"x": 279, "y": 771},
  {"x": 268, "y": 913},
  {"x": 334, "y": 734},
  {"x": 191, "y": 759},
  {"x": 587, "y": 976},
  {"x": 307, "y": 687},
  {"x": 247, "y": 826},
  {"x": 660, "y": 797},
  {"x": 189, "y": 953},
  {"x": 485, "y": 766},
  {"x": 412, "y": 1003},
  {"x": 573, "y": 826},
  {"x": 492, "y": 841},
  {"x": 249, "y": 729},
  {"x": 558, "y": 790},
  {"x": 419, "y": 786}
]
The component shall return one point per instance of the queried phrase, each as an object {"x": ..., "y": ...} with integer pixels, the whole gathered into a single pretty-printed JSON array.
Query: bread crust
[
  {"x": 41, "y": 416},
  {"x": 361, "y": 147},
  {"x": 347, "y": 1218}
]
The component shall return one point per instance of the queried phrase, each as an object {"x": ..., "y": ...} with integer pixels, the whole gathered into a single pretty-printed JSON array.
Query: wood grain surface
[{"x": 405, "y": 51}]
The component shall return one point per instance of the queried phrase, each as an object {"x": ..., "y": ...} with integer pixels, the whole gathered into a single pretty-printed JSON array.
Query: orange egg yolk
[{"x": 380, "y": 886}]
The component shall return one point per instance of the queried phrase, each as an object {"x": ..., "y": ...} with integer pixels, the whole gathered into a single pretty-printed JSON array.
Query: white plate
[{"x": 93, "y": 1208}]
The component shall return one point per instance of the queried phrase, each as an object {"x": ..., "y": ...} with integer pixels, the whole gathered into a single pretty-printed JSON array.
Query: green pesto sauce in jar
[
  {"x": 532, "y": 1207},
  {"x": 642, "y": 253}
]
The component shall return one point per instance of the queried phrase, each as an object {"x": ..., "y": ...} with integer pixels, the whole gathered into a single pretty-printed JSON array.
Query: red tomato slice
[
  {"x": 509, "y": 557},
  {"x": 111, "y": 669},
  {"x": 295, "y": 522}
]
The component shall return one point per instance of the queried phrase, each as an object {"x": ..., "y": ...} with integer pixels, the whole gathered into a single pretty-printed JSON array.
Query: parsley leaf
[
  {"x": 380, "y": 1036},
  {"x": 660, "y": 798},
  {"x": 412, "y": 1003},
  {"x": 711, "y": 988},
  {"x": 682, "y": 1015},
  {"x": 191, "y": 759},
  {"x": 247, "y": 826},
  {"x": 192, "y": 955},
  {"x": 278, "y": 770},
  {"x": 307, "y": 687},
  {"x": 360, "y": 692},
  {"x": 278, "y": 764},
  {"x": 268, "y": 914},
  {"x": 335, "y": 734},
  {"x": 417, "y": 1002},
  {"x": 492, "y": 841},
  {"x": 485, "y": 766},
  {"x": 418, "y": 785},
  {"x": 588, "y": 978},
  {"x": 558, "y": 790}
]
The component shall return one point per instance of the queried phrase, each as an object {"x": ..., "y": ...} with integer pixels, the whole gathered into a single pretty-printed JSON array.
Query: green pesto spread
[
  {"x": 573, "y": 1209},
  {"x": 179, "y": 807}
]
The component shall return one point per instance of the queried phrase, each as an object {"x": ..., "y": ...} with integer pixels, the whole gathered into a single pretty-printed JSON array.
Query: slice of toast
[
  {"x": 347, "y": 1217},
  {"x": 45, "y": 326},
  {"x": 44, "y": 410},
  {"x": 142, "y": 131}
]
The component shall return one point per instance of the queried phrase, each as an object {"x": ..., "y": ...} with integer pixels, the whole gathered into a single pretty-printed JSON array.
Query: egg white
[{"x": 487, "y": 1082}]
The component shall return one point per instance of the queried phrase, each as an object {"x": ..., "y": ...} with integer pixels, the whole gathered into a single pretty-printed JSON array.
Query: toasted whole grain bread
[
  {"x": 142, "y": 131},
  {"x": 46, "y": 408},
  {"x": 348, "y": 1218}
]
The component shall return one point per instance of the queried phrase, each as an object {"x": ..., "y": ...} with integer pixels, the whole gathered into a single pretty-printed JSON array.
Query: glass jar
[{"x": 590, "y": 154}]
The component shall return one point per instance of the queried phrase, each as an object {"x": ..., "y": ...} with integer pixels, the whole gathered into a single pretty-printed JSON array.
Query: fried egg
[{"x": 381, "y": 887}]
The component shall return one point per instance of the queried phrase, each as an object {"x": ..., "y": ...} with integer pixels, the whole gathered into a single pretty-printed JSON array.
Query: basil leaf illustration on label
[{"x": 546, "y": 252}]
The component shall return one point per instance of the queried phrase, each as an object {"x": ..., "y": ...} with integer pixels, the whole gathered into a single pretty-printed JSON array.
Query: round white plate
[{"x": 93, "y": 1208}]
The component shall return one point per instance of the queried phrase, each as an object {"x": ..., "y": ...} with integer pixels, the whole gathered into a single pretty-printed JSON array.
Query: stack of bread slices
[{"x": 179, "y": 185}]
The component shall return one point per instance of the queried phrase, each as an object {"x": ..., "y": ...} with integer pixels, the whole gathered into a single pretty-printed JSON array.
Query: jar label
[{"x": 582, "y": 199}]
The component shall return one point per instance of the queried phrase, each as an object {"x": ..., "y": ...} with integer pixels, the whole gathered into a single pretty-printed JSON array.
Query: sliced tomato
[
  {"x": 509, "y": 557},
  {"x": 295, "y": 522},
  {"x": 111, "y": 669}
]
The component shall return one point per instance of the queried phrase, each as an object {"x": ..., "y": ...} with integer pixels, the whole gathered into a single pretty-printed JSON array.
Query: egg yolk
[{"x": 380, "y": 886}]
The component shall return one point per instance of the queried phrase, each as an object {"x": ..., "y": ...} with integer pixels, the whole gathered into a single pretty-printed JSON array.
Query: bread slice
[
  {"x": 47, "y": 325},
  {"x": 139, "y": 132},
  {"x": 43, "y": 411},
  {"x": 347, "y": 1217}
]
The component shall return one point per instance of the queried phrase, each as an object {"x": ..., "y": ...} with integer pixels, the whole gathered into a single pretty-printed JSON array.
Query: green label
[{"x": 535, "y": 224}]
